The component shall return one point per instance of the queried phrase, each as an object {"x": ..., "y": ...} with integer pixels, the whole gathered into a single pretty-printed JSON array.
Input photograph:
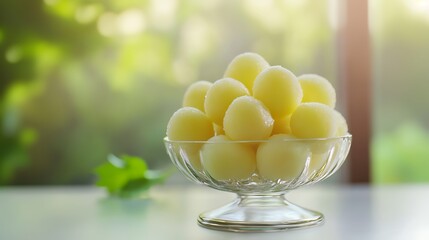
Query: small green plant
[
  {"x": 128, "y": 176},
  {"x": 401, "y": 155}
]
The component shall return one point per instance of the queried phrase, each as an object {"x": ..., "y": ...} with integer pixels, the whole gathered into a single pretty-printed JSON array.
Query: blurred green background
[
  {"x": 82, "y": 79},
  {"x": 400, "y": 146}
]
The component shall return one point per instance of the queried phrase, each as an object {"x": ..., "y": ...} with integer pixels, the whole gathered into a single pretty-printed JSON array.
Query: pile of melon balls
[{"x": 248, "y": 121}]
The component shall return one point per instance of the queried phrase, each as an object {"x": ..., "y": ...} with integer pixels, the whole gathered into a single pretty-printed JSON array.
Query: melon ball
[
  {"x": 245, "y": 67},
  {"x": 247, "y": 119},
  {"x": 322, "y": 146},
  {"x": 317, "y": 89},
  {"x": 342, "y": 128},
  {"x": 219, "y": 97},
  {"x": 281, "y": 125},
  {"x": 313, "y": 120},
  {"x": 226, "y": 160},
  {"x": 318, "y": 160},
  {"x": 195, "y": 94},
  {"x": 281, "y": 158},
  {"x": 189, "y": 124},
  {"x": 279, "y": 90},
  {"x": 332, "y": 157},
  {"x": 191, "y": 153}
]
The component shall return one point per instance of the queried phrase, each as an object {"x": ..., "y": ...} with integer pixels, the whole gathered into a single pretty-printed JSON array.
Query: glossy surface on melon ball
[
  {"x": 245, "y": 67},
  {"x": 189, "y": 124},
  {"x": 279, "y": 90},
  {"x": 225, "y": 160},
  {"x": 247, "y": 119},
  {"x": 317, "y": 89},
  {"x": 281, "y": 159},
  {"x": 313, "y": 120},
  {"x": 281, "y": 125},
  {"x": 219, "y": 97},
  {"x": 195, "y": 94},
  {"x": 342, "y": 128}
]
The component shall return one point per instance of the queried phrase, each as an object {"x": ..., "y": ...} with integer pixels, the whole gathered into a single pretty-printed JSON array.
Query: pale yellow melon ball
[
  {"x": 225, "y": 160},
  {"x": 219, "y": 97},
  {"x": 195, "y": 95},
  {"x": 317, "y": 89},
  {"x": 247, "y": 119},
  {"x": 279, "y": 90},
  {"x": 342, "y": 128},
  {"x": 245, "y": 67},
  {"x": 281, "y": 159},
  {"x": 332, "y": 156},
  {"x": 281, "y": 125},
  {"x": 191, "y": 153},
  {"x": 313, "y": 120},
  {"x": 189, "y": 124},
  {"x": 317, "y": 161},
  {"x": 322, "y": 146}
]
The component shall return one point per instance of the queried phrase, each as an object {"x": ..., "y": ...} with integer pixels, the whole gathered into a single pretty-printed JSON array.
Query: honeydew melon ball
[
  {"x": 322, "y": 146},
  {"x": 281, "y": 158},
  {"x": 335, "y": 155},
  {"x": 281, "y": 125},
  {"x": 195, "y": 94},
  {"x": 191, "y": 153},
  {"x": 189, "y": 124},
  {"x": 318, "y": 160},
  {"x": 225, "y": 160},
  {"x": 279, "y": 90},
  {"x": 313, "y": 120},
  {"x": 342, "y": 128},
  {"x": 247, "y": 119},
  {"x": 245, "y": 67},
  {"x": 317, "y": 89},
  {"x": 219, "y": 97}
]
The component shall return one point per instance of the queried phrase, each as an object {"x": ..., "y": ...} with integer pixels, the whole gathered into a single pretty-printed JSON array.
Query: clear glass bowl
[{"x": 261, "y": 205}]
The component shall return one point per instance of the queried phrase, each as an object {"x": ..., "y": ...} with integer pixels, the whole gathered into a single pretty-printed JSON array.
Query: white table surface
[{"x": 351, "y": 212}]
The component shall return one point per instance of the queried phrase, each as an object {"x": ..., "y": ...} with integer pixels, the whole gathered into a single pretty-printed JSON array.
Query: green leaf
[
  {"x": 135, "y": 187},
  {"x": 128, "y": 176}
]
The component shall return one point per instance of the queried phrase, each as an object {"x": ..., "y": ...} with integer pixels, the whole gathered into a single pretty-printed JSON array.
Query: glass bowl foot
[{"x": 259, "y": 213}]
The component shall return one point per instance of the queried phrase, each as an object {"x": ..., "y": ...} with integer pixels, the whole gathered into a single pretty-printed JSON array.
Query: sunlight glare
[
  {"x": 131, "y": 22},
  {"x": 419, "y": 7},
  {"x": 267, "y": 13},
  {"x": 162, "y": 13},
  {"x": 87, "y": 14},
  {"x": 197, "y": 37},
  {"x": 13, "y": 54},
  {"x": 106, "y": 24}
]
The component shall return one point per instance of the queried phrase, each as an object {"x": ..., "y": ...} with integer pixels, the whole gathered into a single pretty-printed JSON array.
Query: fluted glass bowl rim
[{"x": 294, "y": 139}]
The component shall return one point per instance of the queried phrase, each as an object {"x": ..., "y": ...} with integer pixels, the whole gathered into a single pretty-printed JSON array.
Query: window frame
[{"x": 355, "y": 79}]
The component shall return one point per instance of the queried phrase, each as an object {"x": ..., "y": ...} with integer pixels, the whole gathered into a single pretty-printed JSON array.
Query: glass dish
[{"x": 261, "y": 205}]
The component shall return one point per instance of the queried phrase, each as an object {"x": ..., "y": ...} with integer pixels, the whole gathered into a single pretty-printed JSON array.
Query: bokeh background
[{"x": 82, "y": 79}]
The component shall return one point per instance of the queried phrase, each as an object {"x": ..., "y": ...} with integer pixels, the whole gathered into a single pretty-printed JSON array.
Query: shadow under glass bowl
[{"x": 260, "y": 205}]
